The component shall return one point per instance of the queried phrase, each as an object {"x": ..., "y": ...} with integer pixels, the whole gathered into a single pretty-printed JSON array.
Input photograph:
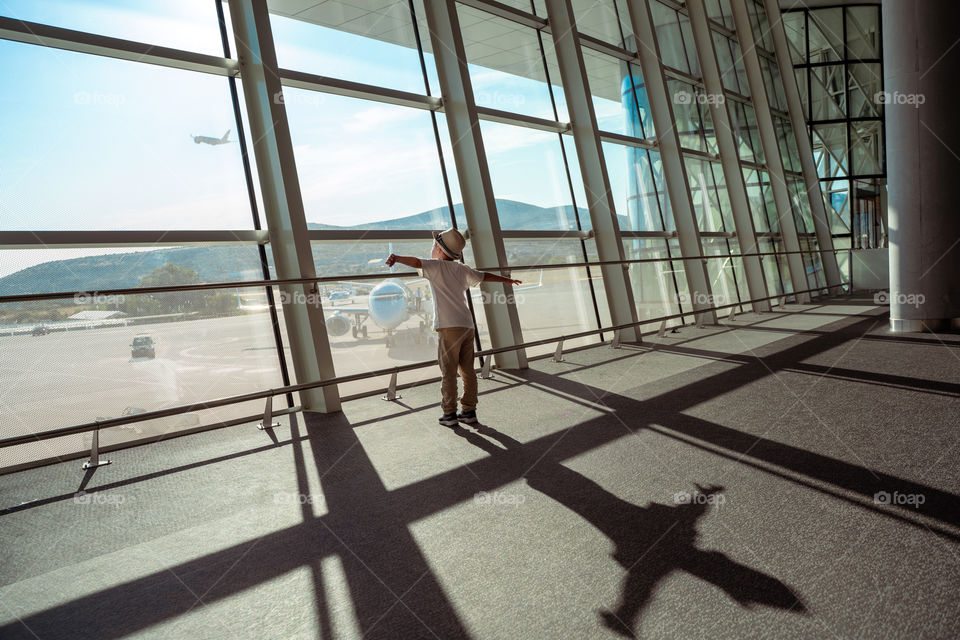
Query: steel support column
[
  {"x": 479, "y": 205},
  {"x": 771, "y": 148},
  {"x": 593, "y": 169},
  {"x": 810, "y": 177},
  {"x": 668, "y": 145},
  {"x": 729, "y": 155},
  {"x": 282, "y": 202}
]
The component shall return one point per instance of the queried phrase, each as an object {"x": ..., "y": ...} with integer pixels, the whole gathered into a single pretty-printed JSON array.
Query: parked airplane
[
  {"x": 390, "y": 303},
  {"x": 210, "y": 140}
]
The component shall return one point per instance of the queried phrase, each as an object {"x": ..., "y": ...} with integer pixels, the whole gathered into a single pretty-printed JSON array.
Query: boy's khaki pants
[{"x": 455, "y": 353}]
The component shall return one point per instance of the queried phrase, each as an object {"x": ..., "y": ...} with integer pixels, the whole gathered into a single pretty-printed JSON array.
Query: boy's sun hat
[{"x": 451, "y": 242}]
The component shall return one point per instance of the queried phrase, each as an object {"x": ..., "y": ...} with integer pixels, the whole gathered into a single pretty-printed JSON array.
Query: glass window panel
[
  {"x": 760, "y": 24},
  {"x": 801, "y": 76},
  {"x": 134, "y": 353},
  {"x": 866, "y": 142},
  {"x": 669, "y": 36},
  {"x": 758, "y": 210},
  {"x": 655, "y": 285},
  {"x": 772, "y": 79},
  {"x": 346, "y": 146},
  {"x": 788, "y": 144},
  {"x": 686, "y": 113},
  {"x": 795, "y": 25},
  {"x": 606, "y": 20},
  {"x": 774, "y": 267},
  {"x": 827, "y": 92},
  {"x": 372, "y": 44},
  {"x": 619, "y": 96},
  {"x": 865, "y": 82},
  {"x": 721, "y": 271},
  {"x": 529, "y": 178},
  {"x": 561, "y": 304},
  {"x": 536, "y": 7},
  {"x": 689, "y": 47},
  {"x": 836, "y": 195},
  {"x": 705, "y": 195},
  {"x": 863, "y": 32},
  {"x": 830, "y": 149},
  {"x": 826, "y": 35},
  {"x": 376, "y": 324},
  {"x": 114, "y": 137},
  {"x": 639, "y": 191},
  {"x": 506, "y": 64},
  {"x": 180, "y": 24},
  {"x": 719, "y": 11}
]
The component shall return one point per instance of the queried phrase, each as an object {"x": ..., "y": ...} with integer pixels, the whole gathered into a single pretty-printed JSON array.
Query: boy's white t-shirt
[{"x": 448, "y": 281}]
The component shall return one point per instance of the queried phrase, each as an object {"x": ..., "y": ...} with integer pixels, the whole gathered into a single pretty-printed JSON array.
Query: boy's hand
[
  {"x": 391, "y": 259},
  {"x": 517, "y": 281}
]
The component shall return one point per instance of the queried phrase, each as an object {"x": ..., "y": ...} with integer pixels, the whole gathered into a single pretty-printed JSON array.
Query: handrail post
[
  {"x": 95, "y": 460},
  {"x": 615, "y": 343},
  {"x": 558, "y": 354},
  {"x": 485, "y": 373},
  {"x": 267, "y": 422},
  {"x": 391, "y": 395}
]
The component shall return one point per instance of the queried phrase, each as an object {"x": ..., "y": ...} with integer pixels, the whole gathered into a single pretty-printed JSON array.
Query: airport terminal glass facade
[
  {"x": 131, "y": 177},
  {"x": 838, "y": 61}
]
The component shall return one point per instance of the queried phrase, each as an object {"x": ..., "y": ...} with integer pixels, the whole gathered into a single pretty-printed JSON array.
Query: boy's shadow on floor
[{"x": 651, "y": 542}]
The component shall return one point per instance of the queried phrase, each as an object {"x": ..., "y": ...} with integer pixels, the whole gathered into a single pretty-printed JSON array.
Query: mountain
[
  {"x": 512, "y": 215},
  {"x": 216, "y": 263}
]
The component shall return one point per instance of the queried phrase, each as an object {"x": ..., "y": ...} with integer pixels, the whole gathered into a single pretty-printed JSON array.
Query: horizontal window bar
[
  {"x": 83, "y": 42},
  {"x": 107, "y": 239}
]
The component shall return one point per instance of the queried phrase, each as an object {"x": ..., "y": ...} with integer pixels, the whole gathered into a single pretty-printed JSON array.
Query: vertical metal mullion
[
  {"x": 283, "y": 201},
  {"x": 675, "y": 174},
  {"x": 473, "y": 174},
  {"x": 566, "y": 166},
  {"x": 443, "y": 164},
  {"x": 252, "y": 197},
  {"x": 808, "y": 168},
  {"x": 616, "y": 280}
]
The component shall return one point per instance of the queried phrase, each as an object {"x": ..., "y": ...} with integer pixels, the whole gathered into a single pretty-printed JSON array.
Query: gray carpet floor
[{"x": 785, "y": 475}]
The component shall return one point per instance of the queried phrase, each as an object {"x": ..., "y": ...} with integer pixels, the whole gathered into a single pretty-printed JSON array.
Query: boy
[{"x": 451, "y": 320}]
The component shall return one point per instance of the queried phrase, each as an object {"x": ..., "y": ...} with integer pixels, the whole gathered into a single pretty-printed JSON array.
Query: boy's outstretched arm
[
  {"x": 410, "y": 261},
  {"x": 492, "y": 277}
]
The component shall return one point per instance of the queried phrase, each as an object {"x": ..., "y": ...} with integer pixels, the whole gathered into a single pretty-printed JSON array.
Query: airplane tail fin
[{"x": 225, "y": 136}]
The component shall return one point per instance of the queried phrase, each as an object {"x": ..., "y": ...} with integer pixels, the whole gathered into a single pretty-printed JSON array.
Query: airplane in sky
[{"x": 212, "y": 141}]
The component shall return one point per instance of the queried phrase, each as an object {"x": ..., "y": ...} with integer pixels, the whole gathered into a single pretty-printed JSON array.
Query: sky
[{"x": 94, "y": 143}]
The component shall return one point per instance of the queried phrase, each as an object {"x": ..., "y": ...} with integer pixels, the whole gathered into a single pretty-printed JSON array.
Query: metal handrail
[
  {"x": 269, "y": 393},
  {"x": 240, "y": 284}
]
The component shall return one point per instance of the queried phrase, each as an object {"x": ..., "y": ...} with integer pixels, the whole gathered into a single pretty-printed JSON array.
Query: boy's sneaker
[
  {"x": 470, "y": 417},
  {"x": 448, "y": 420}
]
